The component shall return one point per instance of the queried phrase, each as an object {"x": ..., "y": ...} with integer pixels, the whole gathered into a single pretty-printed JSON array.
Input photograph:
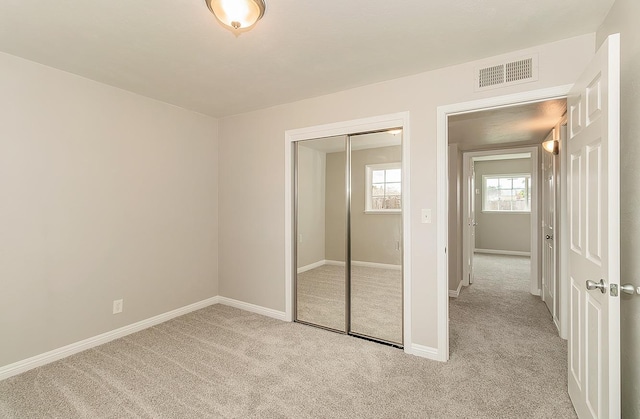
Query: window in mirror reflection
[{"x": 384, "y": 187}]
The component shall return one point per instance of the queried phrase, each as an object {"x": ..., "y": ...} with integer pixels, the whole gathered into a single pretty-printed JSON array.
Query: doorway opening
[
  {"x": 500, "y": 131},
  {"x": 495, "y": 203},
  {"x": 590, "y": 194},
  {"x": 499, "y": 208}
]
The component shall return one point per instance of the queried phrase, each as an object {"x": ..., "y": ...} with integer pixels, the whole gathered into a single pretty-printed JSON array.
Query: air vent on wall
[
  {"x": 522, "y": 70},
  {"x": 491, "y": 76}
]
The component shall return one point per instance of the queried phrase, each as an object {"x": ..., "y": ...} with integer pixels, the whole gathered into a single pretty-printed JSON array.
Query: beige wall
[
  {"x": 251, "y": 254},
  {"x": 623, "y": 19},
  {"x": 335, "y": 244},
  {"x": 311, "y": 206},
  {"x": 501, "y": 231},
  {"x": 104, "y": 195},
  {"x": 373, "y": 236}
]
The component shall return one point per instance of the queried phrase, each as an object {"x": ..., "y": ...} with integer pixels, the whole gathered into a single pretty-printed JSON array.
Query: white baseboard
[
  {"x": 502, "y": 252},
  {"x": 456, "y": 293},
  {"x": 312, "y": 266},
  {"x": 65, "y": 351},
  {"x": 424, "y": 352},
  {"x": 334, "y": 262},
  {"x": 365, "y": 264},
  {"x": 376, "y": 265},
  {"x": 279, "y": 315}
]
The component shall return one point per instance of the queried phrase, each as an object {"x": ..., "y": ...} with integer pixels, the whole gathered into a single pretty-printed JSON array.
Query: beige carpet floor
[
  {"x": 506, "y": 362},
  {"x": 376, "y": 300}
]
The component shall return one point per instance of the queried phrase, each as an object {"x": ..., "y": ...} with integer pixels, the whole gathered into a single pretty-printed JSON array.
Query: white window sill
[{"x": 383, "y": 212}]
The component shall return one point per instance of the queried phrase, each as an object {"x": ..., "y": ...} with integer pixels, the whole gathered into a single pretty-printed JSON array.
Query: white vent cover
[
  {"x": 490, "y": 76},
  {"x": 522, "y": 70}
]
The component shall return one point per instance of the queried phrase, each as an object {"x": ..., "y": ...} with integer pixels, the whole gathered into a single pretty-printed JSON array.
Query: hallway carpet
[{"x": 506, "y": 362}]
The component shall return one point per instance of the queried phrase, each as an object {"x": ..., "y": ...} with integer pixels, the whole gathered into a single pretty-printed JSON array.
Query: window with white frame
[
  {"x": 506, "y": 193},
  {"x": 384, "y": 187}
]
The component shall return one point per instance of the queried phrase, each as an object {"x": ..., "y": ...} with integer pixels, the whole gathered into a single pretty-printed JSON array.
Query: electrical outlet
[{"x": 117, "y": 306}]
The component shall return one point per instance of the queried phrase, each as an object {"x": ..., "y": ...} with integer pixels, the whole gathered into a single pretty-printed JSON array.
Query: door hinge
[{"x": 613, "y": 290}]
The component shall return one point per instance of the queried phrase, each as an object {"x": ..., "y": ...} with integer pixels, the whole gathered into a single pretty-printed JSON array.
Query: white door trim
[
  {"x": 563, "y": 231},
  {"x": 443, "y": 220},
  {"x": 468, "y": 230},
  {"x": 375, "y": 123},
  {"x": 534, "y": 281}
]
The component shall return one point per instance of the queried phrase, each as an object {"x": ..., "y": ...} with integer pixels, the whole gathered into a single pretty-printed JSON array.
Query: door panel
[
  {"x": 575, "y": 333},
  {"x": 594, "y": 204},
  {"x": 575, "y": 190},
  {"x": 594, "y": 194},
  {"x": 593, "y": 355}
]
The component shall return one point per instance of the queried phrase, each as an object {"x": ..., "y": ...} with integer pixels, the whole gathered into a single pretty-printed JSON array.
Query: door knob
[
  {"x": 592, "y": 285},
  {"x": 629, "y": 289}
]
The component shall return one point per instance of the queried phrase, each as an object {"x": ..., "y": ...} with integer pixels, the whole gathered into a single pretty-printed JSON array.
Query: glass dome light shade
[{"x": 237, "y": 14}]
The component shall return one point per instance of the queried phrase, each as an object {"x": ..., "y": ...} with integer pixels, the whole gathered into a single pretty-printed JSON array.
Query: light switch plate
[{"x": 426, "y": 216}]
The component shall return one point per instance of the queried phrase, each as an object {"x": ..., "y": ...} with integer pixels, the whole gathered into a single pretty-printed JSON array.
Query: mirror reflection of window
[{"x": 384, "y": 186}]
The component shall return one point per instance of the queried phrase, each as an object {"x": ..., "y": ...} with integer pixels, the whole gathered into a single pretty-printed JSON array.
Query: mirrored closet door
[
  {"x": 376, "y": 236},
  {"x": 321, "y": 283},
  {"x": 348, "y": 229}
]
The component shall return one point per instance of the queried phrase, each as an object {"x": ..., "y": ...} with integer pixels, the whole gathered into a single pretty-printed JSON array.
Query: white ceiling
[
  {"x": 522, "y": 124},
  {"x": 175, "y": 51}
]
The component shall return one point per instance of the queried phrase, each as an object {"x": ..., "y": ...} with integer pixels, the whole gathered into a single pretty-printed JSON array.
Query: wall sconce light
[
  {"x": 237, "y": 15},
  {"x": 552, "y": 145}
]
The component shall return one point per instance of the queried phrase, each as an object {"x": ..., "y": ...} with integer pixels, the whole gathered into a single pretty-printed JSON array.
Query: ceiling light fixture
[{"x": 238, "y": 15}]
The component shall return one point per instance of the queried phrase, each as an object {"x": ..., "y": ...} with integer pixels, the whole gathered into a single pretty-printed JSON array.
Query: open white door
[
  {"x": 472, "y": 220},
  {"x": 469, "y": 226},
  {"x": 549, "y": 265},
  {"x": 594, "y": 236}
]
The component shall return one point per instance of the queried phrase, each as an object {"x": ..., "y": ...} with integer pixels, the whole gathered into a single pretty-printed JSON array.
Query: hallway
[{"x": 506, "y": 335}]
